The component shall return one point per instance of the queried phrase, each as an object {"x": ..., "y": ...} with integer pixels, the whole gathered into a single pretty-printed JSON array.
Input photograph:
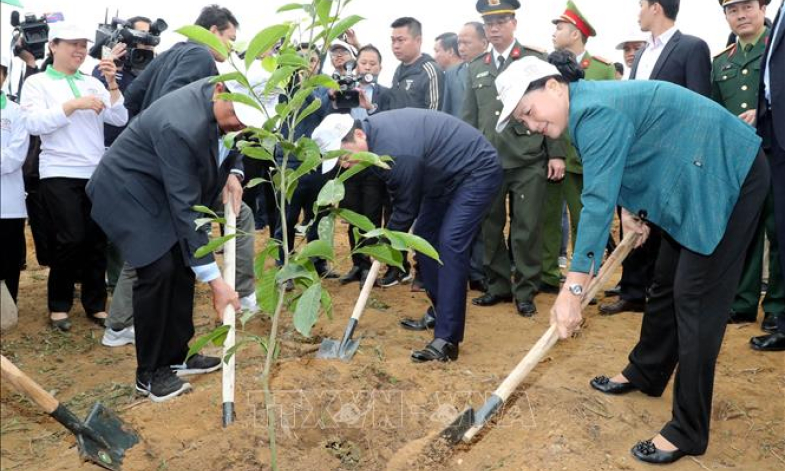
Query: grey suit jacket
[
  {"x": 455, "y": 79},
  {"x": 162, "y": 165},
  {"x": 685, "y": 61}
]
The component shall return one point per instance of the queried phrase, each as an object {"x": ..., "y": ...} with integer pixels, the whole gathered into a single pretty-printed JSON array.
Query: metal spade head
[
  {"x": 345, "y": 349},
  {"x": 458, "y": 427},
  {"x": 104, "y": 438}
]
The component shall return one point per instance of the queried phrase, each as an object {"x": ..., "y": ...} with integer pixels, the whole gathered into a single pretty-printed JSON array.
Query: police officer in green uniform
[
  {"x": 528, "y": 159},
  {"x": 735, "y": 82},
  {"x": 572, "y": 33}
]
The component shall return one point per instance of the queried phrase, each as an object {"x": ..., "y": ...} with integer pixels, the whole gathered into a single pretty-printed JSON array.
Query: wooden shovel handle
[
  {"x": 370, "y": 280},
  {"x": 609, "y": 267},
  {"x": 22, "y": 383}
]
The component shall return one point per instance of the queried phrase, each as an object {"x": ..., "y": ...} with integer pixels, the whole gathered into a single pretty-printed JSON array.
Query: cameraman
[
  {"x": 114, "y": 261},
  {"x": 68, "y": 109}
]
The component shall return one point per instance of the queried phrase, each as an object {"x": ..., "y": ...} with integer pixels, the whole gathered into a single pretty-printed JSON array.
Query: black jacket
[
  {"x": 777, "y": 83},
  {"x": 185, "y": 63},
  {"x": 419, "y": 85},
  {"x": 433, "y": 154},
  {"x": 685, "y": 61},
  {"x": 162, "y": 165}
]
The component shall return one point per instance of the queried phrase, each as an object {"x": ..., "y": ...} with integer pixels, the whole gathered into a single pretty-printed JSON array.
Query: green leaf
[
  {"x": 212, "y": 245},
  {"x": 199, "y": 222},
  {"x": 230, "y": 137},
  {"x": 352, "y": 171},
  {"x": 290, "y": 7},
  {"x": 293, "y": 59},
  {"x": 419, "y": 244},
  {"x": 309, "y": 110},
  {"x": 331, "y": 194},
  {"x": 258, "y": 153},
  {"x": 327, "y": 304},
  {"x": 326, "y": 229},
  {"x": 291, "y": 186},
  {"x": 204, "y": 210},
  {"x": 240, "y": 98},
  {"x": 318, "y": 249},
  {"x": 396, "y": 242},
  {"x": 307, "y": 310},
  {"x": 217, "y": 337},
  {"x": 267, "y": 290},
  {"x": 203, "y": 36},
  {"x": 320, "y": 80},
  {"x": 263, "y": 42},
  {"x": 370, "y": 158},
  {"x": 384, "y": 254},
  {"x": 323, "y": 8},
  {"x": 293, "y": 271},
  {"x": 228, "y": 77},
  {"x": 255, "y": 182},
  {"x": 280, "y": 76},
  {"x": 342, "y": 26},
  {"x": 269, "y": 63},
  {"x": 270, "y": 251},
  {"x": 355, "y": 219}
]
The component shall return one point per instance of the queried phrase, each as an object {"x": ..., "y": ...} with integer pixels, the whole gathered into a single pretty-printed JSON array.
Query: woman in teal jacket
[{"x": 683, "y": 163}]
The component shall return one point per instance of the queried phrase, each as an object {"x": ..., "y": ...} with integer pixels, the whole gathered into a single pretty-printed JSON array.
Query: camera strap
[{"x": 71, "y": 79}]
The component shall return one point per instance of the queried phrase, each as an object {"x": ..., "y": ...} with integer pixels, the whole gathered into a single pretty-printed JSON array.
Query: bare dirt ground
[{"x": 379, "y": 411}]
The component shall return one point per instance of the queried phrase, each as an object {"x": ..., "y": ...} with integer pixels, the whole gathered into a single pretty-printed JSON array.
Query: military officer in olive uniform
[
  {"x": 528, "y": 159},
  {"x": 735, "y": 82},
  {"x": 572, "y": 32}
]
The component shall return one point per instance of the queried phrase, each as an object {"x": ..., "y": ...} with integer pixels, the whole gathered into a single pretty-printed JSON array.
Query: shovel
[
  {"x": 346, "y": 348},
  {"x": 228, "y": 371},
  {"x": 101, "y": 439},
  {"x": 469, "y": 423}
]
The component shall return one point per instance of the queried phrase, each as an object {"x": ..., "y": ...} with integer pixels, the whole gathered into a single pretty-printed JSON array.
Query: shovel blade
[
  {"x": 105, "y": 439},
  {"x": 328, "y": 349},
  {"x": 455, "y": 431},
  {"x": 348, "y": 350}
]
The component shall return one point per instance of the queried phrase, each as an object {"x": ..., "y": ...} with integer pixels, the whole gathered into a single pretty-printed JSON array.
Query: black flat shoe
[
  {"x": 99, "y": 321},
  {"x": 526, "y": 309},
  {"x": 489, "y": 299},
  {"x": 620, "y": 306},
  {"x": 63, "y": 325},
  {"x": 478, "y": 285},
  {"x": 769, "y": 323},
  {"x": 769, "y": 343},
  {"x": 605, "y": 385},
  {"x": 351, "y": 276},
  {"x": 426, "y": 322},
  {"x": 648, "y": 453},
  {"x": 615, "y": 291},
  {"x": 437, "y": 350}
]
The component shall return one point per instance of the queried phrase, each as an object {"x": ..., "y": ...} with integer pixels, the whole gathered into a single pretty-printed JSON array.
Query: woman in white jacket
[
  {"x": 68, "y": 110},
  {"x": 13, "y": 151}
]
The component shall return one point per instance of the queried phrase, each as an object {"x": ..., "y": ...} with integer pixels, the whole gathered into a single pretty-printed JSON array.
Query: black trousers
[
  {"x": 79, "y": 251},
  {"x": 638, "y": 269},
  {"x": 37, "y": 217},
  {"x": 12, "y": 240},
  {"x": 365, "y": 193},
  {"x": 774, "y": 148},
  {"x": 686, "y": 315},
  {"x": 163, "y": 302}
]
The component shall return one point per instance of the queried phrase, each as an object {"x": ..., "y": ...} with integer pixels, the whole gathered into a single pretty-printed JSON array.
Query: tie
[
  {"x": 500, "y": 60},
  {"x": 71, "y": 79}
]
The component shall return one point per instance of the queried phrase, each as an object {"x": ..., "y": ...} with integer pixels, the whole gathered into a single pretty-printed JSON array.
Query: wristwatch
[{"x": 576, "y": 289}]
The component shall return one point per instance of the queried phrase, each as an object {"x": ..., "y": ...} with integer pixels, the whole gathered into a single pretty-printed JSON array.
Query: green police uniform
[
  {"x": 735, "y": 82},
  {"x": 569, "y": 189},
  {"x": 524, "y": 157}
]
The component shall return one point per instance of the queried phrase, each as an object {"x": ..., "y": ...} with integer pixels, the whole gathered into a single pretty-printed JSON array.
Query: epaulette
[
  {"x": 603, "y": 60},
  {"x": 725, "y": 50},
  {"x": 482, "y": 57},
  {"x": 536, "y": 49}
]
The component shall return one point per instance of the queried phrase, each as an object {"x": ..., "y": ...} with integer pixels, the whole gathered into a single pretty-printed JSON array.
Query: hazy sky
[{"x": 613, "y": 19}]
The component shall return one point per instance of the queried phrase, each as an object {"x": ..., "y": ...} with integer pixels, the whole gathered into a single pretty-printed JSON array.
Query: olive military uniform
[
  {"x": 735, "y": 83},
  {"x": 524, "y": 157}
]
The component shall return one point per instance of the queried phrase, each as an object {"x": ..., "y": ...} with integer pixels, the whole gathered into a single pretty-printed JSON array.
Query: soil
[{"x": 380, "y": 411}]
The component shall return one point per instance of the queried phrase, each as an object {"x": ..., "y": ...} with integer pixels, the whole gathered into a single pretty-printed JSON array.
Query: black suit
[
  {"x": 771, "y": 126},
  {"x": 685, "y": 61},
  {"x": 143, "y": 192}
]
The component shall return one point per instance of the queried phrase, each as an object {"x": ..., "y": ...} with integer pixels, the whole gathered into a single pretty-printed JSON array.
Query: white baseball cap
[
  {"x": 257, "y": 77},
  {"x": 338, "y": 44},
  {"x": 329, "y": 134},
  {"x": 515, "y": 80},
  {"x": 69, "y": 31},
  {"x": 637, "y": 36}
]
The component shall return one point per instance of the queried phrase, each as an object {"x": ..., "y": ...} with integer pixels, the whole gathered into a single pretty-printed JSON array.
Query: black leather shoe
[
  {"x": 426, "y": 322},
  {"x": 769, "y": 343},
  {"x": 769, "y": 323},
  {"x": 622, "y": 305},
  {"x": 615, "y": 291},
  {"x": 527, "y": 309},
  {"x": 351, "y": 276},
  {"x": 742, "y": 317},
  {"x": 478, "y": 285},
  {"x": 489, "y": 299},
  {"x": 648, "y": 453},
  {"x": 437, "y": 350},
  {"x": 547, "y": 289},
  {"x": 604, "y": 384}
]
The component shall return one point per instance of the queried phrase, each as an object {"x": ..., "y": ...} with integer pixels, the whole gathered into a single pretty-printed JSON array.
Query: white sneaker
[
  {"x": 248, "y": 303},
  {"x": 118, "y": 338}
]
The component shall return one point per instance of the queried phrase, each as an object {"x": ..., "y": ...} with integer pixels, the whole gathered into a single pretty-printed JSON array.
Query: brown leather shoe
[{"x": 622, "y": 305}]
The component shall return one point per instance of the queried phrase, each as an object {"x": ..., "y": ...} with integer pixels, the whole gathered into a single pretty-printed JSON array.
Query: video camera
[
  {"x": 347, "y": 96},
  {"x": 34, "y": 32},
  {"x": 120, "y": 31}
]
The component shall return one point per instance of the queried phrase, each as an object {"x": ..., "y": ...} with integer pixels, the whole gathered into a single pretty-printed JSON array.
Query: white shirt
[
  {"x": 13, "y": 152},
  {"x": 654, "y": 48},
  {"x": 505, "y": 54},
  {"x": 71, "y": 146}
]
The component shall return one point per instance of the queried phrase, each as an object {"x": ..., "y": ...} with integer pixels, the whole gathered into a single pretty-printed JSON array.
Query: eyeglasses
[
  {"x": 339, "y": 53},
  {"x": 497, "y": 22}
]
